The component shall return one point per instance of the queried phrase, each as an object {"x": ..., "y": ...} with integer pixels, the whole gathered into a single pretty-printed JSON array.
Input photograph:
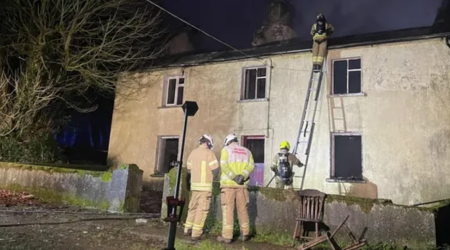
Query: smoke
[{"x": 235, "y": 21}]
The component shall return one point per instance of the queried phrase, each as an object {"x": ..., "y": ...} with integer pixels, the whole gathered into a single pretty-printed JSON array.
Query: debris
[
  {"x": 141, "y": 221},
  {"x": 9, "y": 198}
]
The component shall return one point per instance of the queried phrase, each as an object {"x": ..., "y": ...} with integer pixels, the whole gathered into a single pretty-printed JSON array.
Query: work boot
[
  {"x": 319, "y": 67},
  {"x": 194, "y": 239},
  {"x": 223, "y": 240},
  {"x": 316, "y": 68},
  {"x": 188, "y": 232},
  {"x": 245, "y": 238}
]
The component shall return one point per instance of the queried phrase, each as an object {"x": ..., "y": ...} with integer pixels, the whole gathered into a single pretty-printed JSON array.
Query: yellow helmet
[{"x": 285, "y": 144}]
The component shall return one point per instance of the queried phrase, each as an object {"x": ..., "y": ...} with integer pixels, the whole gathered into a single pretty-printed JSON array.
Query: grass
[{"x": 203, "y": 245}]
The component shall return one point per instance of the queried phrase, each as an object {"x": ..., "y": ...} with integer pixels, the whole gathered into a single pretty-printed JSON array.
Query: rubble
[{"x": 9, "y": 198}]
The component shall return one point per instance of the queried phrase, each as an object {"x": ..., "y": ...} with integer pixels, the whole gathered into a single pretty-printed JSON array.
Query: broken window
[
  {"x": 256, "y": 145},
  {"x": 174, "y": 91},
  {"x": 254, "y": 86},
  {"x": 167, "y": 154},
  {"x": 347, "y": 157},
  {"x": 346, "y": 76}
]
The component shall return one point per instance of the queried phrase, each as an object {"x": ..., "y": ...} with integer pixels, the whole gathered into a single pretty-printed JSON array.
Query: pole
[
  {"x": 173, "y": 225},
  {"x": 271, "y": 180}
]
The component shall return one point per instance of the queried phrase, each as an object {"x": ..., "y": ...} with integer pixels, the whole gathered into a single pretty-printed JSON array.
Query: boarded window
[
  {"x": 254, "y": 84},
  {"x": 347, "y": 157},
  {"x": 346, "y": 76}
]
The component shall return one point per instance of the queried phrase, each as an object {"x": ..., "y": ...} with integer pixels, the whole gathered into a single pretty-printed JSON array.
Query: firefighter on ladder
[
  {"x": 202, "y": 166},
  {"x": 236, "y": 163},
  {"x": 282, "y": 165},
  {"x": 320, "y": 32}
]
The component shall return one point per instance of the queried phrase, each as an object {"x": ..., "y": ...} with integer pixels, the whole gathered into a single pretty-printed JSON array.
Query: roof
[{"x": 295, "y": 46}]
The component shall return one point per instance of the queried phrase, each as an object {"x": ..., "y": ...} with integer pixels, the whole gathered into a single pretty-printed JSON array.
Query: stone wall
[
  {"x": 272, "y": 210},
  {"x": 117, "y": 190}
]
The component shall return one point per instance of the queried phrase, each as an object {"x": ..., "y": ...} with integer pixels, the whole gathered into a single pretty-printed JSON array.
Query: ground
[
  {"x": 27, "y": 223},
  {"x": 108, "y": 233}
]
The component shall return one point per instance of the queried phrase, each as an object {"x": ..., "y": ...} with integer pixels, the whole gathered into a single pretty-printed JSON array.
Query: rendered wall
[{"x": 403, "y": 117}]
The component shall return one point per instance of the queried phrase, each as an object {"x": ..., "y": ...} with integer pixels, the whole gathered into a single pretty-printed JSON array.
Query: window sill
[
  {"x": 347, "y": 95},
  {"x": 157, "y": 175},
  {"x": 170, "y": 107},
  {"x": 253, "y": 100},
  {"x": 344, "y": 180}
]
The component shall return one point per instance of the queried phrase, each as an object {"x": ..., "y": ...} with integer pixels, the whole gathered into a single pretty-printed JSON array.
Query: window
[
  {"x": 254, "y": 86},
  {"x": 346, "y": 76},
  {"x": 347, "y": 157},
  {"x": 174, "y": 91},
  {"x": 167, "y": 153},
  {"x": 256, "y": 145}
]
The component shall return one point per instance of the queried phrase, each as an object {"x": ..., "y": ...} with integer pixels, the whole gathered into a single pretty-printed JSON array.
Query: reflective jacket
[
  {"x": 329, "y": 29},
  {"x": 235, "y": 160},
  {"x": 203, "y": 164}
]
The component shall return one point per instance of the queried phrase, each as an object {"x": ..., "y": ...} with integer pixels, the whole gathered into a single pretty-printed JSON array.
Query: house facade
[{"x": 382, "y": 123}]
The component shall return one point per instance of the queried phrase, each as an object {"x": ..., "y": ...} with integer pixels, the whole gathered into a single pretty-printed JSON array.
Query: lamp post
[{"x": 189, "y": 108}]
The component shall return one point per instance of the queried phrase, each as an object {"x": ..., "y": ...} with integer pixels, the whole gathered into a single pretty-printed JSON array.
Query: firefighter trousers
[
  {"x": 197, "y": 212},
  {"x": 319, "y": 51},
  {"x": 229, "y": 197}
]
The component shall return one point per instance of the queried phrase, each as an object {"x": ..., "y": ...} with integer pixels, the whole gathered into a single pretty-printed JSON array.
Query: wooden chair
[{"x": 310, "y": 209}]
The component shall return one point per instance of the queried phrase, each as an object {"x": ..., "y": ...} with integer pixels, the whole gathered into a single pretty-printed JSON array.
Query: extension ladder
[{"x": 306, "y": 129}]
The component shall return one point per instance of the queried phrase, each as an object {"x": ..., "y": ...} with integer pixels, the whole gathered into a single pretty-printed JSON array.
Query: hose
[{"x": 150, "y": 216}]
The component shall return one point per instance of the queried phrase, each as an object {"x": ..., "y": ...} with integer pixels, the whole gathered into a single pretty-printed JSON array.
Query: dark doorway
[
  {"x": 168, "y": 152},
  {"x": 256, "y": 145},
  {"x": 347, "y": 157}
]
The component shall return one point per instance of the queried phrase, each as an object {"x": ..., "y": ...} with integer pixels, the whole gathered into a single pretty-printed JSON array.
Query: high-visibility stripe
[
  {"x": 212, "y": 163},
  {"x": 223, "y": 162},
  {"x": 203, "y": 172},
  {"x": 201, "y": 186}
]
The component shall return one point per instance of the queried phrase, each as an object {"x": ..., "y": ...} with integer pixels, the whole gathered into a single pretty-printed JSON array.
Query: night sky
[{"x": 235, "y": 21}]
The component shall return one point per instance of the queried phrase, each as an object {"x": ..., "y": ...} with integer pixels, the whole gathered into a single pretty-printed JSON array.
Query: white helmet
[
  {"x": 229, "y": 138},
  {"x": 208, "y": 139}
]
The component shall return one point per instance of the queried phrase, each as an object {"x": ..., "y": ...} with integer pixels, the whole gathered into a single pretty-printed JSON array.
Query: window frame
[
  {"x": 244, "y": 83},
  {"x": 156, "y": 169},
  {"x": 347, "y": 71},
  {"x": 177, "y": 86},
  {"x": 245, "y": 138},
  {"x": 333, "y": 156}
]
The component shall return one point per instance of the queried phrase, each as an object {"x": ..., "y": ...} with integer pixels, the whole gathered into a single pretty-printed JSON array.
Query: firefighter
[
  {"x": 236, "y": 164},
  {"x": 202, "y": 166},
  {"x": 320, "y": 32},
  {"x": 282, "y": 166}
]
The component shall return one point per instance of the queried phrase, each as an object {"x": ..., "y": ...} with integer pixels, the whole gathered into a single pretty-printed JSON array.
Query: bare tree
[{"x": 56, "y": 52}]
